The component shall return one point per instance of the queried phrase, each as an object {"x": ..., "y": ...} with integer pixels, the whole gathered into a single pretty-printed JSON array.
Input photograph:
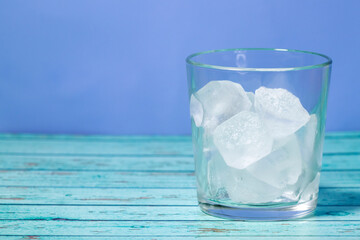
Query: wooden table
[{"x": 98, "y": 187}]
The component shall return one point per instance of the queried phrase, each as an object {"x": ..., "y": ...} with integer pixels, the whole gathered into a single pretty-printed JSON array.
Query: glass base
[{"x": 260, "y": 213}]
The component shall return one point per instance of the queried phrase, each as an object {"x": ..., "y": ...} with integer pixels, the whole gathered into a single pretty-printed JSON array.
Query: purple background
[{"x": 117, "y": 67}]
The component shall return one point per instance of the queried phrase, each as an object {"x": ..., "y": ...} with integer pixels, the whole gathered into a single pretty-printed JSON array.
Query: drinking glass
[{"x": 258, "y": 118}]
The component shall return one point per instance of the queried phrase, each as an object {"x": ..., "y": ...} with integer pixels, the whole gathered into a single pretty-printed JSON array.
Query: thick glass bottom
[{"x": 260, "y": 213}]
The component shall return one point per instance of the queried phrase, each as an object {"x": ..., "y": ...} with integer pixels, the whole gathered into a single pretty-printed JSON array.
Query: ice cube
[
  {"x": 281, "y": 167},
  {"x": 242, "y": 140},
  {"x": 200, "y": 153},
  {"x": 311, "y": 190},
  {"x": 220, "y": 100},
  {"x": 306, "y": 137},
  {"x": 242, "y": 187},
  {"x": 311, "y": 151},
  {"x": 216, "y": 169},
  {"x": 280, "y": 110},
  {"x": 196, "y": 110},
  {"x": 251, "y": 97},
  {"x": 238, "y": 185}
]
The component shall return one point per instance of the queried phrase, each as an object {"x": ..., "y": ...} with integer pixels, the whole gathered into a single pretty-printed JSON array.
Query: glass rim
[{"x": 328, "y": 60}]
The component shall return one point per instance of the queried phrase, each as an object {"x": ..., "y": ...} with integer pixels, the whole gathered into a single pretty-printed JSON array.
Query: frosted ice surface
[
  {"x": 307, "y": 136},
  {"x": 251, "y": 97},
  {"x": 281, "y": 167},
  {"x": 280, "y": 142},
  {"x": 238, "y": 185},
  {"x": 242, "y": 140},
  {"x": 280, "y": 110},
  {"x": 216, "y": 171},
  {"x": 311, "y": 190},
  {"x": 311, "y": 151},
  {"x": 220, "y": 100},
  {"x": 196, "y": 110},
  {"x": 242, "y": 187}
]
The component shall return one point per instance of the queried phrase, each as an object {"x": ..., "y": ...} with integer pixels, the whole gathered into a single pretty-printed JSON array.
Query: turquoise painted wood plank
[
  {"x": 342, "y": 145},
  {"x": 137, "y": 179},
  {"x": 145, "y": 163},
  {"x": 69, "y": 163},
  {"x": 97, "y": 196},
  {"x": 68, "y": 137},
  {"x": 345, "y": 162},
  {"x": 148, "y": 213},
  {"x": 142, "y": 197},
  {"x": 97, "y": 179},
  {"x": 136, "y": 200},
  {"x": 130, "y": 147},
  {"x": 105, "y": 138},
  {"x": 157, "y": 146},
  {"x": 176, "y": 238},
  {"x": 347, "y": 134},
  {"x": 181, "y": 228}
]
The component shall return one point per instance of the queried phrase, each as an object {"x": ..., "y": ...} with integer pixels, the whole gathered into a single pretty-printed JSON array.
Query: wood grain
[
  {"x": 180, "y": 228},
  {"x": 147, "y": 213},
  {"x": 136, "y": 179},
  {"x": 92, "y": 237},
  {"x": 141, "y": 197},
  {"x": 166, "y": 146},
  {"x": 142, "y": 187},
  {"x": 136, "y": 163}
]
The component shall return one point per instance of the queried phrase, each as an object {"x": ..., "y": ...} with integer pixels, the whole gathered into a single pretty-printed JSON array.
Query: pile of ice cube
[{"x": 256, "y": 157}]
